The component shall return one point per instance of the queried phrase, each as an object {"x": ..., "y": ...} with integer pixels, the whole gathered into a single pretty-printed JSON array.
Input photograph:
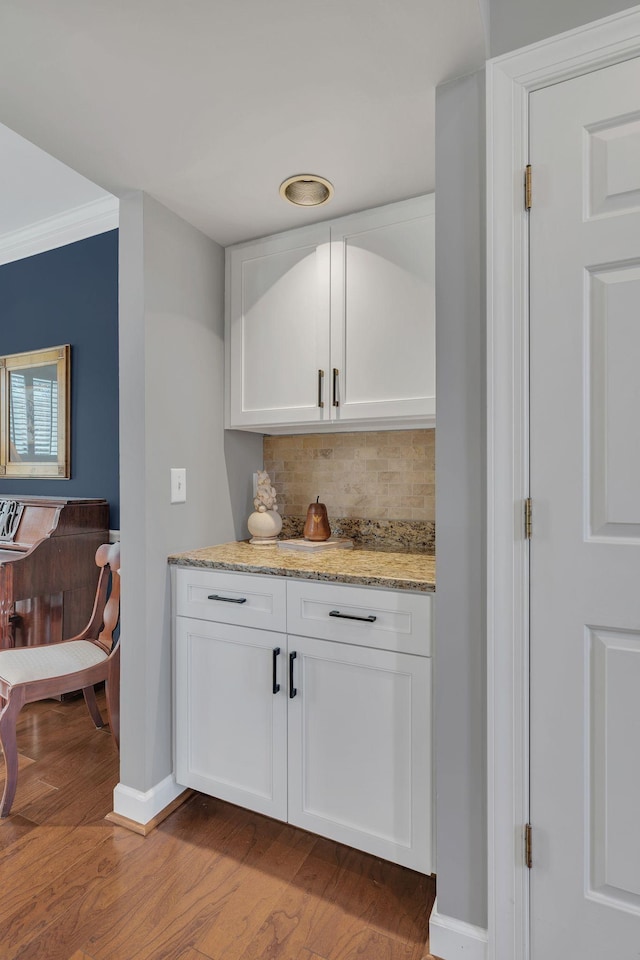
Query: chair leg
[
  {"x": 112, "y": 690},
  {"x": 92, "y": 706},
  {"x": 8, "y": 719}
]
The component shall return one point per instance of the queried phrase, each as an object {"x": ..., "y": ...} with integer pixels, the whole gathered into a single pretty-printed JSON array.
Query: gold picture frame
[{"x": 35, "y": 412}]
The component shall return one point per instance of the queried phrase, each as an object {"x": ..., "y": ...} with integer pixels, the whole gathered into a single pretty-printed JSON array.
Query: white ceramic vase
[{"x": 264, "y": 527}]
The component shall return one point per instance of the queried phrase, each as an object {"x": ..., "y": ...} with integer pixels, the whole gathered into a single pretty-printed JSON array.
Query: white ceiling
[{"x": 207, "y": 105}]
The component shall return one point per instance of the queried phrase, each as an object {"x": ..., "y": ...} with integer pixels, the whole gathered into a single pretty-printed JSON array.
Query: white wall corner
[
  {"x": 143, "y": 807},
  {"x": 450, "y": 938}
]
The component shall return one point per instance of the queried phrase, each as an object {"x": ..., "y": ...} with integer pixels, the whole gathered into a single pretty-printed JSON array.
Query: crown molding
[{"x": 92, "y": 218}]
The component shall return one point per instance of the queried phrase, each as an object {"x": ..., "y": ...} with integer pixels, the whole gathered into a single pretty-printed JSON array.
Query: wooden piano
[{"x": 48, "y": 573}]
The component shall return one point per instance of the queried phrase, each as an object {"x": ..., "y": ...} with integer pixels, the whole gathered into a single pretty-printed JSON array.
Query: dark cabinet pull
[
  {"x": 292, "y": 689},
  {"x": 276, "y": 654},
  {"x": 215, "y": 596},
  {"x": 320, "y": 387},
  {"x": 336, "y": 402},
  {"x": 350, "y": 616}
]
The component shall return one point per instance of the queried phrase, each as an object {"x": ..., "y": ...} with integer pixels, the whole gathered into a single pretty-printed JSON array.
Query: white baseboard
[
  {"x": 450, "y": 938},
  {"x": 143, "y": 807}
]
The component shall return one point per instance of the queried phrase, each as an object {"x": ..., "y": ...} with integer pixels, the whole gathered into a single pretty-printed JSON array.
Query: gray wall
[
  {"x": 171, "y": 415},
  {"x": 460, "y": 689},
  {"x": 460, "y": 694},
  {"x": 516, "y": 23}
]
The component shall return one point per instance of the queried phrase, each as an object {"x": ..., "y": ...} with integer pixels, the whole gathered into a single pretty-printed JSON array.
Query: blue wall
[{"x": 70, "y": 295}]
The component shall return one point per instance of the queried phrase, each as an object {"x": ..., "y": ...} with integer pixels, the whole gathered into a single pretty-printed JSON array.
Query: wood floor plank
[
  {"x": 32, "y": 788},
  {"x": 359, "y": 943},
  {"x": 287, "y": 928},
  {"x": 337, "y": 890},
  {"x": 212, "y": 882},
  {"x": 28, "y": 914},
  {"x": 191, "y": 954},
  {"x": 216, "y": 911},
  {"x": 67, "y": 805},
  {"x": 249, "y": 902},
  {"x": 91, "y": 750},
  {"x": 127, "y": 909},
  {"x": 362, "y": 892}
]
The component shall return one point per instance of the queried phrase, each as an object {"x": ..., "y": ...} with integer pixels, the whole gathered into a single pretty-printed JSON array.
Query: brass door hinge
[
  {"x": 528, "y": 509},
  {"x": 527, "y": 187},
  {"x": 527, "y": 845}
]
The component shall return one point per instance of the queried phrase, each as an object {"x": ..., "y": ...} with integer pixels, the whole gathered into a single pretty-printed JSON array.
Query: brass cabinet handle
[
  {"x": 336, "y": 402},
  {"x": 320, "y": 387}
]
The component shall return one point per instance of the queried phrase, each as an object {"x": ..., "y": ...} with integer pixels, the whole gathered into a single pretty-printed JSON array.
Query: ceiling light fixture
[{"x": 306, "y": 190}]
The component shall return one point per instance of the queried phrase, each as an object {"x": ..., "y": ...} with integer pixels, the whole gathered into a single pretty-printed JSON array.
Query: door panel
[
  {"x": 614, "y": 349},
  {"x": 614, "y": 781},
  {"x": 614, "y": 166},
  {"x": 585, "y": 486}
]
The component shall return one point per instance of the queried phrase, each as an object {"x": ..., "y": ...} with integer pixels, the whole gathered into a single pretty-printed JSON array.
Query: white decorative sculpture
[{"x": 266, "y": 523}]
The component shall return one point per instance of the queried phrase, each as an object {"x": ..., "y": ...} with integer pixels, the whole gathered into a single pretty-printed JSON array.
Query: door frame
[{"x": 510, "y": 80}]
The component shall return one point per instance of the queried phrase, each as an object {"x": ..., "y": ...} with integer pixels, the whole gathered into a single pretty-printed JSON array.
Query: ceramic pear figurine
[{"x": 316, "y": 525}]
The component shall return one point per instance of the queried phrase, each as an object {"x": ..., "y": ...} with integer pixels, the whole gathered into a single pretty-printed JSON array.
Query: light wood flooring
[{"x": 212, "y": 882}]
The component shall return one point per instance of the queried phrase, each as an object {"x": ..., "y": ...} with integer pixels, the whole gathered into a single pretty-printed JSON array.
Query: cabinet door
[
  {"x": 278, "y": 329},
  {"x": 230, "y": 726},
  {"x": 360, "y": 748},
  {"x": 383, "y": 312}
]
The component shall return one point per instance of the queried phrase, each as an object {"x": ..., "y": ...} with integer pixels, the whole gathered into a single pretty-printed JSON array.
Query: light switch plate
[{"x": 178, "y": 485}]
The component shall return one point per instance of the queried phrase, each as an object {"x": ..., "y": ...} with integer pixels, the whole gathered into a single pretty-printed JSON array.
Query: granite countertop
[{"x": 369, "y": 567}]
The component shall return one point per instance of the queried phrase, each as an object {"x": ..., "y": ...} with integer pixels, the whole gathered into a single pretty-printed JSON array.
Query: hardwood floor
[{"x": 212, "y": 882}]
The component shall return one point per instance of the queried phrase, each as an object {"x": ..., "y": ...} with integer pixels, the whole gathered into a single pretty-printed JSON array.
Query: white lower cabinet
[
  {"x": 230, "y": 727},
  {"x": 331, "y": 735},
  {"x": 359, "y": 748}
]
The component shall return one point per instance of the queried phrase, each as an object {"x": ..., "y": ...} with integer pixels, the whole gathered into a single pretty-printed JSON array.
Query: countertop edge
[{"x": 388, "y": 582}]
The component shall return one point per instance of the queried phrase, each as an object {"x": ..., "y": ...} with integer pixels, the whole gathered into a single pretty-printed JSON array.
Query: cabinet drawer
[
  {"x": 227, "y": 597},
  {"x": 384, "y": 619}
]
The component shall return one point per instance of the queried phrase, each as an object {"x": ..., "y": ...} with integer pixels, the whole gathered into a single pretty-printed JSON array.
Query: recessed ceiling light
[{"x": 306, "y": 190}]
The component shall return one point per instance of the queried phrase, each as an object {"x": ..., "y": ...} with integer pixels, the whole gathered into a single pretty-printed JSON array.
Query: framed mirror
[{"x": 35, "y": 414}]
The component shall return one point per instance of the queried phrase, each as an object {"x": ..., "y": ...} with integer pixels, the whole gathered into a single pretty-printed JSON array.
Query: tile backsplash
[{"x": 380, "y": 475}]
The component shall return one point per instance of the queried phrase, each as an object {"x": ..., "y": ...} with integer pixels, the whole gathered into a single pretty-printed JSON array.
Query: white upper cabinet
[
  {"x": 383, "y": 312},
  {"x": 277, "y": 328},
  {"x": 334, "y": 324}
]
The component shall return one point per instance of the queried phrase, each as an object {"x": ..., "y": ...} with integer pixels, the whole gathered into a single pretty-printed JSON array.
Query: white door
[
  {"x": 383, "y": 312},
  {"x": 231, "y": 714},
  {"x": 585, "y": 485},
  {"x": 359, "y": 748}
]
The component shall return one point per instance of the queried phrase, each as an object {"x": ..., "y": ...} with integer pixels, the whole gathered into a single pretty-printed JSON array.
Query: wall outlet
[{"x": 178, "y": 485}]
